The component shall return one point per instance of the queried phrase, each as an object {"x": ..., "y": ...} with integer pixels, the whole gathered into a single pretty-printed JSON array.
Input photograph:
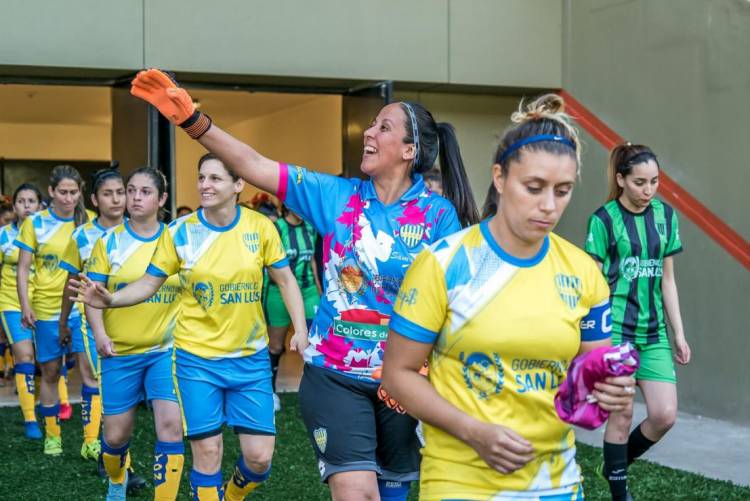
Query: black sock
[
  {"x": 638, "y": 444},
  {"x": 275, "y": 357},
  {"x": 616, "y": 469}
]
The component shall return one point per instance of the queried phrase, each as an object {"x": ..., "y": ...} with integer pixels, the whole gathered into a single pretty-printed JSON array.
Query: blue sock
[
  {"x": 201, "y": 484},
  {"x": 392, "y": 490}
]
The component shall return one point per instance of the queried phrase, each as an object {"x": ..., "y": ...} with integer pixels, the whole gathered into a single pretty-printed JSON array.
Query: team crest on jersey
[
  {"x": 569, "y": 289},
  {"x": 321, "y": 438},
  {"x": 252, "y": 241},
  {"x": 629, "y": 267},
  {"x": 411, "y": 234},
  {"x": 661, "y": 228},
  {"x": 49, "y": 262},
  {"x": 483, "y": 374},
  {"x": 203, "y": 292}
]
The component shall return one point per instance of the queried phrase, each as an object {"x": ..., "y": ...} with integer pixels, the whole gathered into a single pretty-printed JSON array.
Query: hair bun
[{"x": 544, "y": 106}]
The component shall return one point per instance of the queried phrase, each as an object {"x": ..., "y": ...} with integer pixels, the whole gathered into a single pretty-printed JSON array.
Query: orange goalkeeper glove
[{"x": 157, "y": 88}]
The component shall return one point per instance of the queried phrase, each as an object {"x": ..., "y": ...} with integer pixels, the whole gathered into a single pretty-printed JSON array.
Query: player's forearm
[
  {"x": 293, "y": 301},
  {"x": 672, "y": 306},
  {"x": 66, "y": 304},
  {"x": 243, "y": 159},
  {"x": 137, "y": 292},
  {"x": 95, "y": 319},
  {"x": 22, "y": 284}
]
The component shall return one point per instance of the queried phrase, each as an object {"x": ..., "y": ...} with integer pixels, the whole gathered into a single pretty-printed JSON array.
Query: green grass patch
[{"x": 26, "y": 474}]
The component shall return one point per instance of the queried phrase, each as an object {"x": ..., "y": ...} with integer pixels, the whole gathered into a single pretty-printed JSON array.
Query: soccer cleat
[
  {"x": 91, "y": 450},
  {"x": 66, "y": 412},
  {"x": 276, "y": 403},
  {"x": 32, "y": 430},
  {"x": 116, "y": 492},
  {"x": 53, "y": 446},
  {"x": 135, "y": 483}
]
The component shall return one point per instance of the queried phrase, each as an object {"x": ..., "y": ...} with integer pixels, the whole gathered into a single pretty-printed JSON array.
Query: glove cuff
[{"x": 197, "y": 124}]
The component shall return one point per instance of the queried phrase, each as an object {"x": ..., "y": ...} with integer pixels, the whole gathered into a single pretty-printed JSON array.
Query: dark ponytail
[
  {"x": 456, "y": 187},
  {"x": 622, "y": 159},
  {"x": 489, "y": 208},
  {"x": 61, "y": 172},
  {"x": 435, "y": 140}
]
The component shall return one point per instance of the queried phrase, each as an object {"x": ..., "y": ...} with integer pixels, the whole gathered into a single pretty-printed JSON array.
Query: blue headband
[
  {"x": 414, "y": 130},
  {"x": 534, "y": 139}
]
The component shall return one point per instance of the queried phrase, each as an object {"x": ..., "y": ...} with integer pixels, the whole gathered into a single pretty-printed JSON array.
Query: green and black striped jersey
[
  {"x": 299, "y": 244},
  {"x": 632, "y": 248}
]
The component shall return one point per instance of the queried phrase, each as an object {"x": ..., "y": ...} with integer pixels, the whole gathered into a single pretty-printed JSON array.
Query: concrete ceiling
[{"x": 57, "y": 104}]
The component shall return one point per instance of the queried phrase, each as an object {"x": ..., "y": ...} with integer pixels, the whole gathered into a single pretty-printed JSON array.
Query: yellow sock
[
  {"x": 205, "y": 487},
  {"x": 115, "y": 461},
  {"x": 243, "y": 481},
  {"x": 25, "y": 388},
  {"x": 91, "y": 412},
  {"x": 169, "y": 458},
  {"x": 51, "y": 421},
  {"x": 62, "y": 389}
]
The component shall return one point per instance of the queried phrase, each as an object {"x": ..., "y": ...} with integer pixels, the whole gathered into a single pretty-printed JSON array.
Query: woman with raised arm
[
  {"x": 500, "y": 310},
  {"x": 221, "y": 365},
  {"x": 372, "y": 229}
]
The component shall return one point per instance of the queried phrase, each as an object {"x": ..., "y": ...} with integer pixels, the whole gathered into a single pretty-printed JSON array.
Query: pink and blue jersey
[{"x": 367, "y": 248}]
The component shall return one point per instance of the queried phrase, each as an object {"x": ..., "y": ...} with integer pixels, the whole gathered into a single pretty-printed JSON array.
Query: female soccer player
[
  {"x": 372, "y": 229},
  {"x": 221, "y": 361},
  {"x": 26, "y": 201},
  {"x": 497, "y": 308},
  {"x": 298, "y": 238},
  {"x": 108, "y": 196},
  {"x": 43, "y": 238},
  {"x": 633, "y": 238},
  {"x": 136, "y": 343}
]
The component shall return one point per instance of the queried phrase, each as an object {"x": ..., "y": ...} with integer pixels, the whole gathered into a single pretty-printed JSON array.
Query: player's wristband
[{"x": 197, "y": 124}]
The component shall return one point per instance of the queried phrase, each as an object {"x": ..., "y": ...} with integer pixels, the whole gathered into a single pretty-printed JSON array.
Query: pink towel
[{"x": 574, "y": 401}]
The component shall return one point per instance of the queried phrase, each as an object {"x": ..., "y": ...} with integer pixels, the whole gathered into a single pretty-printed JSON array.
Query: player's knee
[
  {"x": 170, "y": 429},
  {"x": 115, "y": 436},
  {"x": 208, "y": 452},
  {"x": 50, "y": 373},
  {"x": 664, "y": 418},
  {"x": 258, "y": 460}
]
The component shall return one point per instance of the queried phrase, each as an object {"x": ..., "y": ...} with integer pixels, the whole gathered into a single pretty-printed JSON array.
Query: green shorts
[
  {"x": 276, "y": 313},
  {"x": 656, "y": 363}
]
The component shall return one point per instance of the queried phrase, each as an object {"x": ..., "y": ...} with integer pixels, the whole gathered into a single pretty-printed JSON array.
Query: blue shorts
[
  {"x": 13, "y": 327},
  {"x": 78, "y": 345},
  {"x": 125, "y": 379},
  {"x": 47, "y": 338},
  {"x": 236, "y": 391},
  {"x": 89, "y": 348}
]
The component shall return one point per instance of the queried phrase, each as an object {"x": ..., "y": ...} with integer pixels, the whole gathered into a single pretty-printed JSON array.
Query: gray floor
[{"x": 713, "y": 448}]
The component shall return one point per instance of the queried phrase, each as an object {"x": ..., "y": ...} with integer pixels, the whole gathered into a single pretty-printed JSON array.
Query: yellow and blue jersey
[
  {"x": 8, "y": 291},
  {"x": 118, "y": 258},
  {"x": 46, "y": 235},
  {"x": 221, "y": 274},
  {"x": 81, "y": 244},
  {"x": 504, "y": 331}
]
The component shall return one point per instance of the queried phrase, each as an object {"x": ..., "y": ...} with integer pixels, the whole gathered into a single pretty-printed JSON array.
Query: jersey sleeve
[
  {"x": 312, "y": 195},
  {"x": 98, "y": 264},
  {"x": 597, "y": 239},
  {"x": 26, "y": 238},
  {"x": 165, "y": 261},
  {"x": 596, "y": 325},
  {"x": 272, "y": 248},
  {"x": 71, "y": 257},
  {"x": 421, "y": 305},
  {"x": 674, "y": 244}
]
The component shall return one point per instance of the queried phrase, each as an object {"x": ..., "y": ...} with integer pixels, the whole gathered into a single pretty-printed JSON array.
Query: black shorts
[{"x": 351, "y": 429}]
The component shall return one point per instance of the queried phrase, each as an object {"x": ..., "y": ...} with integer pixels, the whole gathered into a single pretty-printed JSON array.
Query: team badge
[
  {"x": 411, "y": 234},
  {"x": 629, "y": 267},
  {"x": 321, "y": 438},
  {"x": 483, "y": 374},
  {"x": 203, "y": 292},
  {"x": 252, "y": 241},
  {"x": 661, "y": 228},
  {"x": 569, "y": 289}
]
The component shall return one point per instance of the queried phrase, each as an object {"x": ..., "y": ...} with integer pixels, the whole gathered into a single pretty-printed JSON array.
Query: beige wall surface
[
  {"x": 73, "y": 33},
  {"x": 425, "y": 42},
  {"x": 305, "y": 131},
  {"x": 675, "y": 75}
]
